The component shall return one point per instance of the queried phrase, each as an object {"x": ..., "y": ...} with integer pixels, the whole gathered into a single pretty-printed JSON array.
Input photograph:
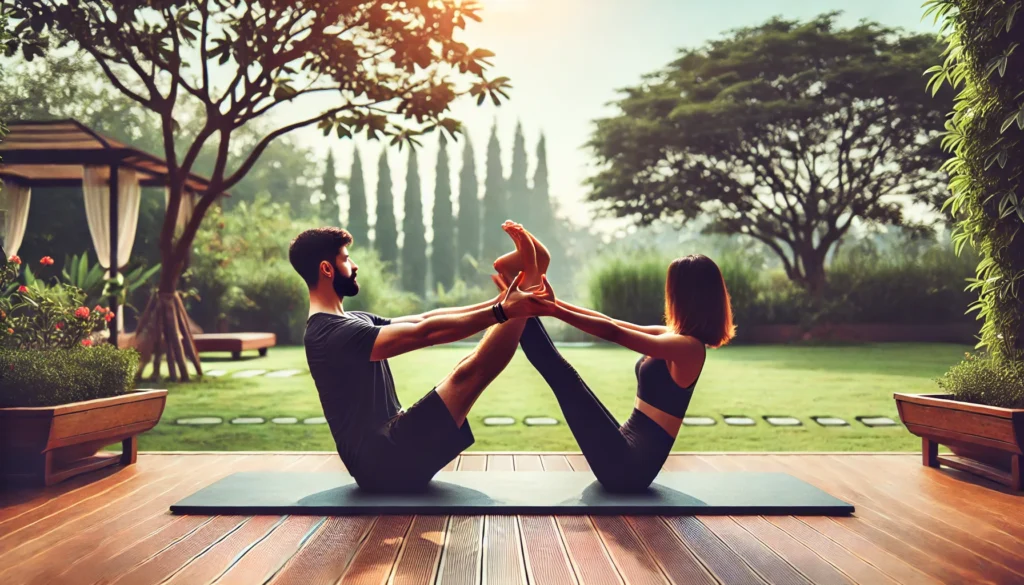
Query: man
[{"x": 383, "y": 447}]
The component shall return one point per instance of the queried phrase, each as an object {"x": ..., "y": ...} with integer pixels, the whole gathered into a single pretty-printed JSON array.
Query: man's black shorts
[{"x": 406, "y": 453}]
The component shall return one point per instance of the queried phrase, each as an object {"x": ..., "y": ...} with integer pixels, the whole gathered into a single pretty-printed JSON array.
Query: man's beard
[{"x": 345, "y": 286}]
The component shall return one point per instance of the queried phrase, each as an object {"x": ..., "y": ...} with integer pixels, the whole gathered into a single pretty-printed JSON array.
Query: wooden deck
[{"x": 913, "y": 525}]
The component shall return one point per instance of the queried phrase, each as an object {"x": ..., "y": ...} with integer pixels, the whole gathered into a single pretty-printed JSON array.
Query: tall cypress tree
[
  {"x": 520, "y": 204},
  {"x": 544, "y": 213},
  {"x": 414, "y": 242},
  {"x": 330, "y": 214},
  {"x": 495, "y": 242},
  {"x": 469, "y": 212},
  {"x": 358, "y": 221},
  {"x": 386, "y": 230},
  {"x": 442, "y": 249}
]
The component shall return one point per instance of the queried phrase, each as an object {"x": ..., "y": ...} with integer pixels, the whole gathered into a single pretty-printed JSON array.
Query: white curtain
[
  {"x": 97, "y": 211},
  {"x": 185, "y": 206},
  {"x": 14, "y": 200}
]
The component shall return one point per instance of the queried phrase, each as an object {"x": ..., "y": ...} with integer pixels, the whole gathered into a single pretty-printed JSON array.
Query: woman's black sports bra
[{"x": 656, "y": 387}]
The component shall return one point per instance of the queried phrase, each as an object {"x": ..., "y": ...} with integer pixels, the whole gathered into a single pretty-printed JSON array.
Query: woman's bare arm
[{"x": 648, "y": 329}]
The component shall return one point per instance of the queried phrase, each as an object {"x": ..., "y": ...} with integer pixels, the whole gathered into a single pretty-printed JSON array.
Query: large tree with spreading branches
[
  {"x": 787, "y": 132},
  {"x": 389, "y": 69}
]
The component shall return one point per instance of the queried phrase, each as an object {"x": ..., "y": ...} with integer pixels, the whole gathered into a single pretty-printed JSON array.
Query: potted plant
[
  {"x": 63, "y": 397},
  {"x": 981, "y": 415}
]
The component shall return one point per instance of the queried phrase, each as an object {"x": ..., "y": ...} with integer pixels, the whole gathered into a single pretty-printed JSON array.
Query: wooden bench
[{"x": 235, "y": 343}]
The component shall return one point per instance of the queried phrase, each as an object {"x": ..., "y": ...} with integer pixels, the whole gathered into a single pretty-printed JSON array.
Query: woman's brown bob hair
[{"x": 697, "y": 302}]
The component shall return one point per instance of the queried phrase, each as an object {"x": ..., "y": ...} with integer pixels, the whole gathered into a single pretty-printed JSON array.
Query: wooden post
[
  {"x": 114, "y": 260},
  {"x": 929, "y": 453}
]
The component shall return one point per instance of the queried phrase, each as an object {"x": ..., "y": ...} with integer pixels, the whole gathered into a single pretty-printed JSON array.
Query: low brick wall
[{"x": 861, "y": 332}]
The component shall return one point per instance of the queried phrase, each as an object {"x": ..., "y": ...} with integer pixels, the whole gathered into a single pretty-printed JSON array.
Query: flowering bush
[{"x": 44, "y": 317}]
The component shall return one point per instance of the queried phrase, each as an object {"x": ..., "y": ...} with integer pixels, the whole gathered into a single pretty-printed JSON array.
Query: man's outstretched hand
[{"x": 520, "y": 303}]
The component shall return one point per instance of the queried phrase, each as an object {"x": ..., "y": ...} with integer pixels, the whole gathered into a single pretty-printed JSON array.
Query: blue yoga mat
[{"x": 527, "y": 492}]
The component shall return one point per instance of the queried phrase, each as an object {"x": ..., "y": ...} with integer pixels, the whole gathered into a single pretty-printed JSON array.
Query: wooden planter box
[
  {"x": 986, "y": 440},
  {"x": 46, "y": 445}
]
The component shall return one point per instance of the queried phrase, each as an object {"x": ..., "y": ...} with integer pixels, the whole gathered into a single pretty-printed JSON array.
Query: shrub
[
  {"x": 985, "y": 380},
  {"x": 379, "y": 289},
  {"x": 36, "y": 377},
  {"x": 267, "y": 297},
  {"x": 630, "y": 287}
]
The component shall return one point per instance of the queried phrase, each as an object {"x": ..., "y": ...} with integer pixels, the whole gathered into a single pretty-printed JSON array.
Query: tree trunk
[{"x": 164, "y": 331}]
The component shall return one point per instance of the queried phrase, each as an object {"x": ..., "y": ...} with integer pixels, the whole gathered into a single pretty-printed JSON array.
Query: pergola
[{"x": 66, "y": 153}]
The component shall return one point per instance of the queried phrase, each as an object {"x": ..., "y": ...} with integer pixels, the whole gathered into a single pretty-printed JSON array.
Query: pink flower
[
  {"x": 109, "y": 316},
  {"x": 11, "y": 331},
  {"x": 58, "y": 326},
  {"x": 87, "y": 342},
  {"x": 14, "y": 259},
  {"x": 23, "y": 289},
  {"x": 82, "y": 312},
  {"x": 46, "y": 261}
]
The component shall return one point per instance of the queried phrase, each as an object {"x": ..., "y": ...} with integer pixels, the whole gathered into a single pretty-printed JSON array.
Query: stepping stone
[
  {"x": 283, "y": 374},
  {"x": 830, "y": 421},
  {"x": 284, "y": 420},
  {"x": 739, "y": 421},
  {"x": 783, "y": 421},
  {"x": 215, "y": 373},
  {"x": 248, "y": 420},
  {"x": 699, "y": 421},
  {"x": 248, "y": 373},
  {"x": 540, "y": 421},
  {"x": 200, "y": 420},
  {"x": 316, "y": 420},
  {"x": 877, "y": 421},
  {"x": 499, "y": 421}
]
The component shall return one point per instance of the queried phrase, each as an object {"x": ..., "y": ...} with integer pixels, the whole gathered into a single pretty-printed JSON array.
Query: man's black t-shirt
[{"x": 358, "y": 395}]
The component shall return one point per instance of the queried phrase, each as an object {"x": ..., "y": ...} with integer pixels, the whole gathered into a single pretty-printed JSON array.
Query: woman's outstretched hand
[{"x": 519, "y": 303}]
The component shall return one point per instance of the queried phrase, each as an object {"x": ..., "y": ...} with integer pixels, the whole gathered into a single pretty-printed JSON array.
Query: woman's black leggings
[{"x": 624, "y": 458}]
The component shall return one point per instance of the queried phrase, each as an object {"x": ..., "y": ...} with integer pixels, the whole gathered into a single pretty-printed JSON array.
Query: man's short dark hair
[{"x": 314, "y": 246}]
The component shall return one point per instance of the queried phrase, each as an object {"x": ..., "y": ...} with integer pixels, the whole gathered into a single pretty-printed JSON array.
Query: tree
[
  {"x": 329, "y": 210},
  {"x": 389, "y": 69},
  {"x": 385, "y": 231},
  {"x": 358, "y": 223},
  {"x": 544, "y": 220},
  {"x": 469, "y": 213},
  {"x": 442, "y": 248},
  {"x": 986, "y": 138},
  {"x": 414, "y": 236},
  {"x": 520, "y": 203},
  {"x": 495, "y": 242},
  {"x": 786, "y": 131}
]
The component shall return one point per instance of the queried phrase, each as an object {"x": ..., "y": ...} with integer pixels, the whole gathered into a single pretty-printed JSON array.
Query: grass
[{"x": 800, "y": 381}]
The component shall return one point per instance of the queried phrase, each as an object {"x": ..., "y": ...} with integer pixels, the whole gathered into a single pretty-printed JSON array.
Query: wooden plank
[
  {"x": 578, "y": 462},
  {"x": 679, "y": 462},
  {"x": 461, "y": 558},
  {"x": 674, "y": 559},
  {"x": 546, "y": 559},
  {"x": 218, "y": 559},
  {"x": 76, "y": 538},
  {"x": 723, "y": 562},
  {"x": 18, "y": 500},
  {"x": 500, "y": 463},
  {"x": 263, "y": 560},
  {"x": 376, "y": 557},
  {"x": 527, "y": 463},
  {"x": 771, "y": 567},
  {"x": 802, "y": 558},
  {"x": 902, "y": 571},
  {"x": 168, "y": 561},
  {"x": 108, "y": 562},
  {"x": 418, "y": 562},
  {"x": 631, "y": 558},
  {"x": 859, "y": 570},
  {"x": 587, "y": 552},
  {"x": 502, "y": 551},
  {"x": 930, "y": 555},
  {"x": 325, "y": 556},
  {"x": 555, "y": 463},
  {"x": 452, "y": 465},
  {"x": 473, "y": 463}
]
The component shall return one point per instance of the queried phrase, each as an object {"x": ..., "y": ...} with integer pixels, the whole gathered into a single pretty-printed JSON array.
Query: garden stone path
[
  {"x": 783, "y": 421},
  {"x": 316, "y": 420},
  {"x": 248, "y": 373},
  {"x": 830, "y": 421},
  {"x": 284, "y": 420},
  {"x": 283, "y": 374},
  {"x": 248, "y": 420},
  {"x": 216, "y": 373},
  {"x": 699, "y": 421},
  {"x": 877, "y": 421},
  {"x": 200, "y": 421},
  {"x": 540, "y": 421},
  {"x": 499, "y": 421},
  {"x": 739, "y": 421}
]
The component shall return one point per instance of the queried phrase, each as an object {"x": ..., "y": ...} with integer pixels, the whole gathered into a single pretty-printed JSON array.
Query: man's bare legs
[{"x": 461, "y": 388}]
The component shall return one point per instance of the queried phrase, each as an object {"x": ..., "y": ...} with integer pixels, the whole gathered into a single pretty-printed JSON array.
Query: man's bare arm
[{"x": 446, "y": 311}]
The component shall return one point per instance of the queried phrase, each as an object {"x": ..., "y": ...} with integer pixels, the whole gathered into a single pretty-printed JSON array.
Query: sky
[{"x": 566, "y": 59}]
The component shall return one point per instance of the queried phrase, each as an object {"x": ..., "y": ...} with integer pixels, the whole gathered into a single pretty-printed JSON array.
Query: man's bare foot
[
  {"x": 526, "y": 253},
  {"x": 511, "y": 264}
]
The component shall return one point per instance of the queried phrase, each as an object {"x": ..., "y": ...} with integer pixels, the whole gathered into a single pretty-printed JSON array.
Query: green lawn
[{"x": 800, "y": 381}]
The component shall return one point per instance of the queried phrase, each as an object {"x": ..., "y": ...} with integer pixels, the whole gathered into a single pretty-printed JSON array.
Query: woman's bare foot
[
  {"x": 511, "y": 264},
  {"x": 526, "y": 253}
]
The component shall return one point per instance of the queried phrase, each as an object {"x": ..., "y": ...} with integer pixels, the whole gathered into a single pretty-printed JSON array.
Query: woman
[{"x": 627, "y": 458}]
